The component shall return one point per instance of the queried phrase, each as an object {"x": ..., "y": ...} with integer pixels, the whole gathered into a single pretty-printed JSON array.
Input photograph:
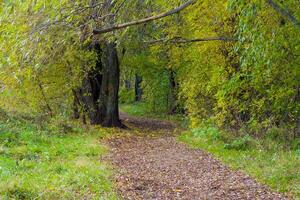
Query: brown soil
[{"x": 162, "y": 168}]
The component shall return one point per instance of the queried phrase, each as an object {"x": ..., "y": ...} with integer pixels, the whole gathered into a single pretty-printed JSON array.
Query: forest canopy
[{"x": 232, "y": 63}]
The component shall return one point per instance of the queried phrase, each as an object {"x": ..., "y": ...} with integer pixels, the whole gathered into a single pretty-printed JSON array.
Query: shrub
[{"x": 241, "y": 143}]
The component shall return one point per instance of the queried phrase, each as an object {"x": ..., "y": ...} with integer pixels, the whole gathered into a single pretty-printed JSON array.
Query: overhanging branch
[
  {"x": 178, "y": 40},
  {"x": 284, "y": 13},
  {"x": 145, "y": 20}
]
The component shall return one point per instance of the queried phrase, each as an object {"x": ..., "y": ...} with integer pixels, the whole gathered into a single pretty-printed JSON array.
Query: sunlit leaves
[{"x": 37, "y": 47}]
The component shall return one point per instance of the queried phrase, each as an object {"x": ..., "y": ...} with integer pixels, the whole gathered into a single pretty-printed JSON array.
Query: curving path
[{"x": 159, "y": 167}]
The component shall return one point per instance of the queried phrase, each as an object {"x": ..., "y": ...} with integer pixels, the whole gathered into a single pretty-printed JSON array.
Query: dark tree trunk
[
  {"x": 90, "y": 90},
  {"x": 109, "y": 102},
  {"x": 100, "y": 88},
  {"x": 174, "y": 106},
  {"x": 137, "y": 88},
  {"x": 127, "y": 84}
]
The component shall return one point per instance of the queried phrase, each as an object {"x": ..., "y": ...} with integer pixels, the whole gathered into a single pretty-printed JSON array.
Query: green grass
[
  {"x": 36, "y": 164},
  {"x": 141, "y": 109},
  {"x": 265, "y": 160}
]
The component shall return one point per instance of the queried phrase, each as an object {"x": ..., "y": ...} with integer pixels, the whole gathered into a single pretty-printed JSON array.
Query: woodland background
[{"x": 228, "y": 69}]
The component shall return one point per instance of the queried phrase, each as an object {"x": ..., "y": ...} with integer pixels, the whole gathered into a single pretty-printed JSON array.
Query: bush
[{"x": 242, "y": 143}]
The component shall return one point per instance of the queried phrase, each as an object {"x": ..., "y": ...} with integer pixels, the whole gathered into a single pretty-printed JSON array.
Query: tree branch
[
  {"x": 178, "y": 40},
  {"x": 44, "y": 97},
  {"x": 284, "y": 12},
  {"x": 120, "y": 6},
  {"x": 145, "y": 20}
]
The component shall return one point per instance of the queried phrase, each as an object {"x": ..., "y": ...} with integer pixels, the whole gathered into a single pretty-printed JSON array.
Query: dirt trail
[{"x": 162, "y": 168}]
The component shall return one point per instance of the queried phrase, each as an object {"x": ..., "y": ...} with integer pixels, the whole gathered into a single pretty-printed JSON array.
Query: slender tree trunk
[
  {"x": 137, "y": 88},
  {"x": 50, "y": 111},
  {"x": 173, "y": 105}
]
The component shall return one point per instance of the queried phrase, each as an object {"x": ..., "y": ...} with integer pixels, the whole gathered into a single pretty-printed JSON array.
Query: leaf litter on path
[{"x": 160, "y": 167}]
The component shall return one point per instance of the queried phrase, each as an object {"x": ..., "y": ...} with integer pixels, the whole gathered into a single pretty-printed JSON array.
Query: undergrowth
[{"x": 57, "y": 161}]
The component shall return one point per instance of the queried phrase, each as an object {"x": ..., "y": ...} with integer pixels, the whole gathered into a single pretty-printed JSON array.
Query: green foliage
[
  {"x": 41, "y": 58},
  {"x": 249, "y": 85},
  {"x": 126, "y": 96},
  {"x": 42, "y": 164},
  {"x": 156, "y": 91},
  {"x": 263, "y": 91},
  {"x": 211, "y": 133}
]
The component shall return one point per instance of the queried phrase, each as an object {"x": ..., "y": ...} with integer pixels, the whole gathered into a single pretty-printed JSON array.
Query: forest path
[{"x": 151, "y": 164}]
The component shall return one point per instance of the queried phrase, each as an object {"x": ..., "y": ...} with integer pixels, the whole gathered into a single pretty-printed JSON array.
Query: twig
[
  {"x": 284, "y": 13},
  {"x": 46, "y": 25},
  {"x": 44, "y": 97}
]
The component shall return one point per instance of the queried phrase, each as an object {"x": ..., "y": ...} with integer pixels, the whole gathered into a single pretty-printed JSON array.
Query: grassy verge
[
  {"x": 50, "y": 164},
  {"x": 267, "y": 161}
]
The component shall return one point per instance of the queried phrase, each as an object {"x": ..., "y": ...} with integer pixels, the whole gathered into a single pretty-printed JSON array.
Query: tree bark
[
  {"x": 90, "y": 89},
  {"x": 180, "y": 40},
  {"x": 109, "y": 102},
  {"x": 174, "y": 106},
  {"x": 100, "y": 87},
  {"x": 137, "y": 88}
]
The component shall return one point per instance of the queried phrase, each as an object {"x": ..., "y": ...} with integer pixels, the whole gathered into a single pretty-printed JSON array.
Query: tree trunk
[
  {"x": 109, "y": 102},
  {"x": 100, "y": 87},
  {"x": 137, "y": 88},
  {"x": 173, "y": 105},
  {"x": 90, "y": 89}
]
